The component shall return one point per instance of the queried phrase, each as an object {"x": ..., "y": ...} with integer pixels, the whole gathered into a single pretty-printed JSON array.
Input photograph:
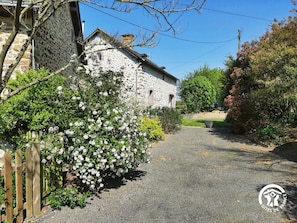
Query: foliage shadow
[
  {"x": 114, "y": 183},
  {"x": 226, "y": 134}
]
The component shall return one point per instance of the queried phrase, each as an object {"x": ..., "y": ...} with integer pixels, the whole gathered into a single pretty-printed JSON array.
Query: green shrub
[
  {"x": 2, "y": 192},
  {"x": 67, "y": 197},
  {"x": 181, "y": 107},
  {"x": 267, "y": 134},
  {"x": 36, "y": 108},
  {"x": 198, "y": 93},
  {"x": 169, "y": 117},
  {"x": 152, "y": 127}
]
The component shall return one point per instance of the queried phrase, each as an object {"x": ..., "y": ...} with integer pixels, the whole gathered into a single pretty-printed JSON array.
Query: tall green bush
[
  {"x": 198, "y": 93},
  {"x": 215, "y": 76}
]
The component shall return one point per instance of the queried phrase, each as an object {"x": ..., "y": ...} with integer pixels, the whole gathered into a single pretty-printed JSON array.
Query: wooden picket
[{"x": 32, "y": 205}]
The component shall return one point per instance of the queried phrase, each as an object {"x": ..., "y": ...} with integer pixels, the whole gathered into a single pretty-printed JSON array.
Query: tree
[
  {"x": 215, "y": 76},
  {"x": 263, "y": 100},
  {"x": 161, "y": 10},
  {"x": 227, "y": 81},
  {"x": 274, "y": 68},
  {"x": 198, "y": 93}
]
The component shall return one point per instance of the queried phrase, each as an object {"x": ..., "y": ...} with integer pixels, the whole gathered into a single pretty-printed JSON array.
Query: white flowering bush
[
  {"x": 105, "y": 143},
  {"x": 105, "y": 140},
  {"x": 86, "y": 130}
]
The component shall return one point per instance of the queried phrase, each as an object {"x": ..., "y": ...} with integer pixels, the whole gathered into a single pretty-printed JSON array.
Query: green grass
[
  {"x": 217, "y": 122},
  {"x": 192, "y": 122}
]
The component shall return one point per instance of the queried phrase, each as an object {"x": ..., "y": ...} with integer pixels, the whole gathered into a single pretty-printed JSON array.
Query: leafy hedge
[
  {"x": 36, "y": 108},
  {"x": 170, "y": 118}
]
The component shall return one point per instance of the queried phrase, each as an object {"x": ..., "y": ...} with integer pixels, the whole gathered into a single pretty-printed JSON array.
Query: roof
[
  {"x": 77, "y": 25},
  {"x": 14, "y": 2},
  {"x": 143, "y": 58}
]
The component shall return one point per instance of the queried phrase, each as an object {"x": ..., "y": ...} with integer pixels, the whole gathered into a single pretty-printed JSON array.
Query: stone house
[
  {"x": 54, "y": 42},
  {"x": 146, "y": 82}
]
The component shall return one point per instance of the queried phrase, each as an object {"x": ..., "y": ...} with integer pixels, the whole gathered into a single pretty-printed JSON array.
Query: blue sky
[{"x": 202, "y": 39}]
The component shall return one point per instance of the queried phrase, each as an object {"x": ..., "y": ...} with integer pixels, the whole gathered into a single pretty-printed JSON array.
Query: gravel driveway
[{"x": 197, "y": 175}]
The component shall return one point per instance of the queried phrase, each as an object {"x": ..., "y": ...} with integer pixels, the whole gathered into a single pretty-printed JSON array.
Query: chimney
[{"x": 127, "y": 40}]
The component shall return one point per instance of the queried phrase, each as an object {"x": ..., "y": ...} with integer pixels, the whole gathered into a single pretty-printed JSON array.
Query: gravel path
[{"x": 197, "y": 175}]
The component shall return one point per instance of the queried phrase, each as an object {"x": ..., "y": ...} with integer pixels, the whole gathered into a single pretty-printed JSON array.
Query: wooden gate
[{"x": 22, "y": 185}]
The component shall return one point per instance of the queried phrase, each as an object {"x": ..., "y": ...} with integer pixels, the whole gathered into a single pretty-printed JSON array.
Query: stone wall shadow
[{"x": 287, "y": 151}]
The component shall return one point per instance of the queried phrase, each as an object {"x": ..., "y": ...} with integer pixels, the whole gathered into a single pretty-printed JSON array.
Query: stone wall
[
  {"x": 25, "y": 62},
  {"x": 144, "y": 84},
  {"x": 54, "y": 43},
  {"x": 113, "y": 59},
  {"x": 158, "y": 90}
]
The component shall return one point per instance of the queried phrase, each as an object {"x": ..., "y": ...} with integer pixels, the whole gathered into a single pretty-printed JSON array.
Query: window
[
  {"x": 170, "y": 104},
  {"x": 99, "y": 56},
  {"x": 151, "y": 97}
]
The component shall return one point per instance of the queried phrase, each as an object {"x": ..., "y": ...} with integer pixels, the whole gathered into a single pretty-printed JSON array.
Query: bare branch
[
  {"x": 161, "y": 10},
  {"x": 44, "y": 13},
  {"x": 9, "y": 42}
]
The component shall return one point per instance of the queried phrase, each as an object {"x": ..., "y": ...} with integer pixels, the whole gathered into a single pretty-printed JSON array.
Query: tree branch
[
  {"x": 3, "y": 99},
  {"x": 44, "y": 13},
  {"x": 9, "y": 42},
  {"x": 161, "y": 10}
]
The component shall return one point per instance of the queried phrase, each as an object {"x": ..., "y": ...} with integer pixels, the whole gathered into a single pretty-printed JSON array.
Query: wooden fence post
[
  {"x": 29, "y": 183},
  {"x": 33, "y": 185},
  {"x": 19, "y": 186},
  {"x": 8, "y": 186},
  {"x": 36, "y": 179}
]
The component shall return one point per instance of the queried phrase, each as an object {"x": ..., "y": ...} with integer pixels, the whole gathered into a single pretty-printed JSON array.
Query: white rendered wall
[{"x": 143, "y": 83}]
